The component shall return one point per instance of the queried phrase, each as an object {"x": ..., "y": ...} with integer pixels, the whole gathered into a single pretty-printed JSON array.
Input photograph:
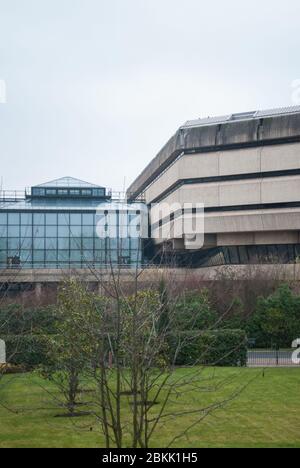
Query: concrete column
[
  {"x": 100, "y": 288},
  {"x": 38, "y": 290}
]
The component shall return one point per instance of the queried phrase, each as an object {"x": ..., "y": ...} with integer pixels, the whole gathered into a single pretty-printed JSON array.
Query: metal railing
[
  {"x": 124, "y": 196},
  {"x": 12, "y": 195},
  {"x": 271, "y": 358},
  {"x": 17, "y": 195}
]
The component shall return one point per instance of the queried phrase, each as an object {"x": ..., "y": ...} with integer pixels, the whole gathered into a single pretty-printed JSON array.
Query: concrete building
[{"x": 245, "y": 169}]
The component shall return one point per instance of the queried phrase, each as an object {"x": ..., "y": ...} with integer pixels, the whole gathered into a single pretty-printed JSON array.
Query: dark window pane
[
  {"x": 39, "y": 231},
  {"x": 87, "y": 243},
  {"x": 3, "y": 256},
  {"x": 51, "y": 219},
  {"x": 134, "y": 244},
  {"x": 99, "y": 243},
  {"x": 124, "y": 244},
  {"x": 88, "y": 231},
  {"x": 87, "y": 255},
  {"x": 272, "y": 254},
  {"x": 3, "y": 231},
  {"x": 26, "y": 256},
  {"x": 253, "y": 255},
  {"x": 38, "y": 192},
  {"x": 75, "y": 243},
  {"x": 51, "y": 231},
  {"x": 100, "y": 255},
  {"x": 14, "y": 243},
  {"x": 51, "y": 256},
  {"x": 98, "y": 192},
  {"x": 38, "y": 255},
  {"x": 51, "y": 243},
  {"x": 26, "y": 243},
  {"x": 3, "y": 218},
  {"x": 39, "y": 219},
  {"x": 14, "y": 218},
  {"x": 63, "y": 219},
  {"x": 63, "y": 255},
  {"x": 88, "y": 219},
  {"x": 112, "y": 244},
  {"x": 38, "y": 243},
  {"x": 63, "y": 243},
  {"x": 26, "y": 218},
  {"x": 86, "y": 192},
  {"x": 75, "y": 231},
  {"x": 13, "y": 231},
  {"x": 283, "y": 254},
  {"x": 26, "y": 231},
  {"x": 51, "y": 192},
  {"x": 75, "y": 219},
  {"x": 75, "y": 255},
  {"x": 63, "y": 231}
]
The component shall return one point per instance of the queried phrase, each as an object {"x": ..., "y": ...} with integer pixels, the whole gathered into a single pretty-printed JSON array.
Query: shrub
[
  {"x": 27, "y": 350},
  {"x": 193, "y": 311},
  {"x": 16, "y": 320},
  {"x": 24, "y": 331},
  {"x": 276, "y": 321}
]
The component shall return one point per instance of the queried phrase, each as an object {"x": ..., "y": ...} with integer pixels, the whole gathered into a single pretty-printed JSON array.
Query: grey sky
[{"x": 95, "y": 88}]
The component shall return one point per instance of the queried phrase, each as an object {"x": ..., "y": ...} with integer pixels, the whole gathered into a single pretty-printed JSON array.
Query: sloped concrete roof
[{"x": 255, "y": 128}]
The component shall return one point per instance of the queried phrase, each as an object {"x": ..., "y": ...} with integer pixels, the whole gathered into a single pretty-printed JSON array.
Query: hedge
[
  {"x": 213, "y": 348},
  {"x": 26, "y": 350}
]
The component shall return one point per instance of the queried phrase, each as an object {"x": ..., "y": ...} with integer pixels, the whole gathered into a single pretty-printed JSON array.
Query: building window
[
  {"x": 74, "y": 192},
  {"x": 63, "y": 192},
  {"x": 38, "y": 192},
  {"x": 14, "y": 218},
  {"x": 51, "y": 219},
  {"x": 51, "y": 192},
  {"x": 88, "y": 219},
  {"x": 98, "y": 193},
  {"x": 86, "y": 192},
  {"x": 64, "y": 239}
]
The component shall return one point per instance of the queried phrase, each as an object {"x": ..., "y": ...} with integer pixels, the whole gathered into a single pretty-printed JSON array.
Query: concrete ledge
[{"x": 227, "y": 272}]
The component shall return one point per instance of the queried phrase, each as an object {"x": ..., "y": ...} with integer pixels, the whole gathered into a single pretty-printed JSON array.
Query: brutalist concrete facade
[{"x": 245, "y": 168}]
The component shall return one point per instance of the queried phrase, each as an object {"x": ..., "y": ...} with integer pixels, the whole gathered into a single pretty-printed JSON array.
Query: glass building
[{"x": 66, "y": 224}]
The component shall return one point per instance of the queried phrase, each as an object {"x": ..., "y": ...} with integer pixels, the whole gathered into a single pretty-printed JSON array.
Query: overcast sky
[{"x": 95, "y": 88}]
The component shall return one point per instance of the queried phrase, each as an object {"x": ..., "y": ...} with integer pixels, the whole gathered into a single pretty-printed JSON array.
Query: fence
[{"x": 271, "y": 358}]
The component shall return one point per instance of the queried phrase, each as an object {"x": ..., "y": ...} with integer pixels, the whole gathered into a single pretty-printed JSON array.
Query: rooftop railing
[
  {"x": 18, "y": 195},
  {"x": 12, "y": 195}
]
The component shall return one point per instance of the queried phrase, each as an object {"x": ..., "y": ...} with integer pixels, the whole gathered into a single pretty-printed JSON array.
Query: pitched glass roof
[{"x": 67, "y": 182}]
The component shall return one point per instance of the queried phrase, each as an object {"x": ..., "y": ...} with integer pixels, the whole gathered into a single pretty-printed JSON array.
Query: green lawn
[{"x": 265, "y": 414}]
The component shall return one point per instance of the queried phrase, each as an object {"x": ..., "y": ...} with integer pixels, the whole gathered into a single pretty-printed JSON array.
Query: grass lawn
[{"x": 265, "y": 414}]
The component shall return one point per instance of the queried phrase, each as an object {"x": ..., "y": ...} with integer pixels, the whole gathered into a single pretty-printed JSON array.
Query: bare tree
[
  {"x": 133, "y": 354},
  {"x": 68, "y": 349}
]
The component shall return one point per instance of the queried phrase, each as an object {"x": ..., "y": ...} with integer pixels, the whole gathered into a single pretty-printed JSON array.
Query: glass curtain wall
[{"x": 61, "y": 239}]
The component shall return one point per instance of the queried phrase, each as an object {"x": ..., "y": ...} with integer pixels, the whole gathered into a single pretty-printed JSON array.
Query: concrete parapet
[{"x": 148, "y": 275}]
